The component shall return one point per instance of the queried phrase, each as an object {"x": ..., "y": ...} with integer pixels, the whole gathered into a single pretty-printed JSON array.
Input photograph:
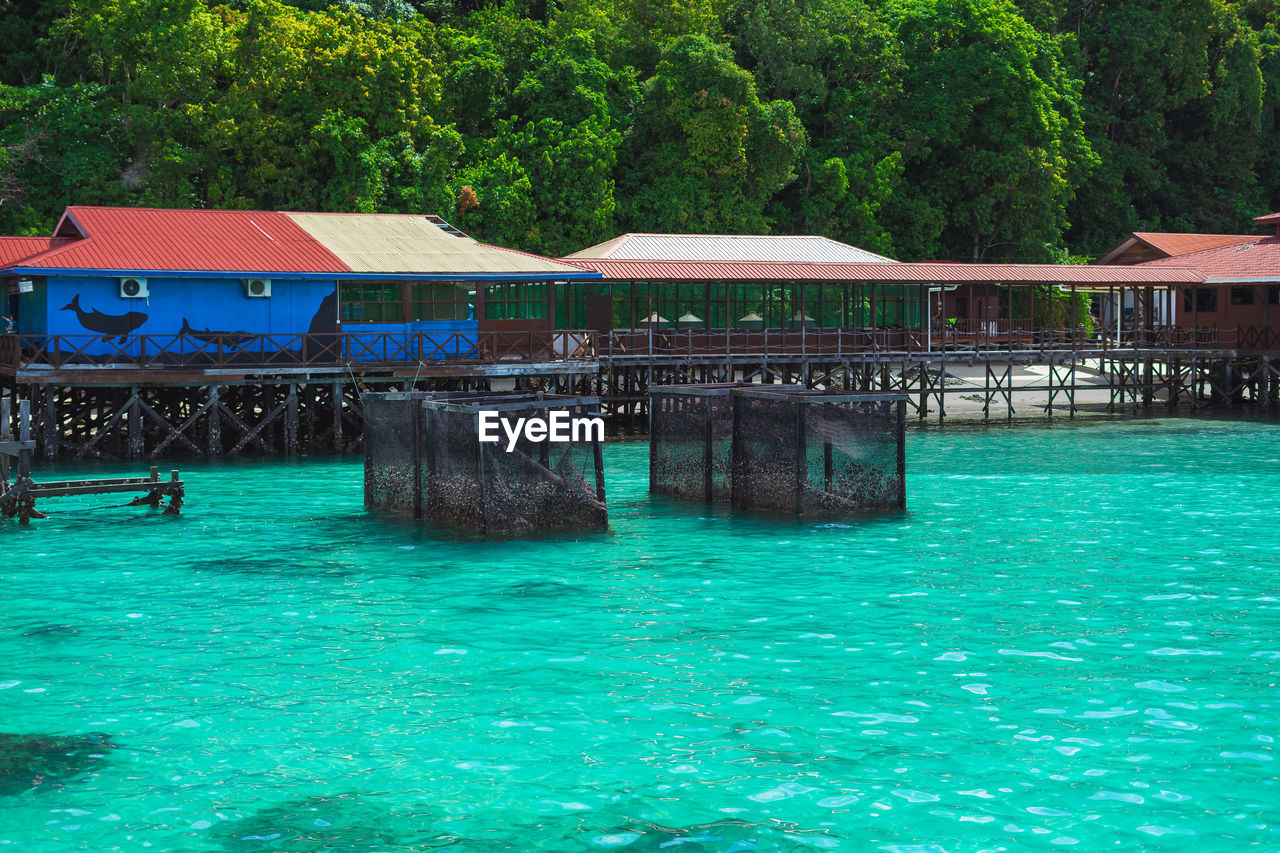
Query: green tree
[
  {"x": 344, "y": 92},
  {"x": 991, "y": 133},
  {"x": 61, "y": 145},
  {"x": 838, "y": 63},
  {"x": 704, "y": 152},
  {"x": 1174, "y": 98}
]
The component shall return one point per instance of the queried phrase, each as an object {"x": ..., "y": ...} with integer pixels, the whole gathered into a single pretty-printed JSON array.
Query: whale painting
[
  {"x": 325, "y": 320},
  {"x": 110, "y": 326},
  {"x": 231, "y": 340}
]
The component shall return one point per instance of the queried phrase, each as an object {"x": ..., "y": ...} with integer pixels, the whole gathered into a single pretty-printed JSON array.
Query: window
[
  {"x": 522, "y": 301},
  {"x": 1206, "y": 300},
  {"x": 1273, "y": 294},
  {"x": 439, "y": 300},
  {"x": 372, "y": 303},
  {"x": 1242, "y": 295}
]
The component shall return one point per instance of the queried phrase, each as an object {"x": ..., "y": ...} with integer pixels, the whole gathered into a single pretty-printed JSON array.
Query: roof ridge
[
  {"x": 1189, "y": 256},
  {"x": 53, "y": 251},
  {"x": 1193, "y": 234},
  {"x": 236, "y": 210}
]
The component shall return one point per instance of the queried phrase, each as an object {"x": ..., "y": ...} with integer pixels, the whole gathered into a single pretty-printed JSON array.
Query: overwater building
[{"x": 136, "y": 331}]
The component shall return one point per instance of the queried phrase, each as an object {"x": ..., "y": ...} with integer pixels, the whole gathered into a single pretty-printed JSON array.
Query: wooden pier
[
  {"x": 1187, "y": 372},
  {"x": 156, "y": 410}
]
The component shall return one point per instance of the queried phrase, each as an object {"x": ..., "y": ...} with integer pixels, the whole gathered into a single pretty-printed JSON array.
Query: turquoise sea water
[{"x": 1072, "y": 638}]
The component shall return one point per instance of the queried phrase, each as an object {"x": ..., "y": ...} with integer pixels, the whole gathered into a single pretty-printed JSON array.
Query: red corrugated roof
[
  {"x": 1182, "y": 244},
  {"x": 1267, "y": 219},
  {"x": 145, "y": 239},
  {"x": 913, "y": 273},
  {"x": 1259, "y": 260},
  {"x": 15, "y": 249}
]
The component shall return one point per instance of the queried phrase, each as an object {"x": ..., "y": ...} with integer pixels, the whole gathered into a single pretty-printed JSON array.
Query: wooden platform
[{"x": 117, "y": 375}]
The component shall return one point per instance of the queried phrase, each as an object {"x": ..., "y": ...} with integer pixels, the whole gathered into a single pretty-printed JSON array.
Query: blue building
[{"x": 191, "y": 287}]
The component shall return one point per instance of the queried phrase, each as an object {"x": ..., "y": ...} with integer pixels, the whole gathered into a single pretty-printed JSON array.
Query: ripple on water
[{"x": 1066, "y": 640}]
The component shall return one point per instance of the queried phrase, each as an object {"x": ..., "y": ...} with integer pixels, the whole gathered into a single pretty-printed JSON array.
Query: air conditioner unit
[
  {"x": 134, "y": 288},
  {"x": 257, "y": 287}
]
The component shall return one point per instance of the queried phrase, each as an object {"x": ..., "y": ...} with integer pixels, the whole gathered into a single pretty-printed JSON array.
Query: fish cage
[
  {"x": 690, "y": 439},
  {"x": 813, "y": 453},
  {"x": 393, "y": 474},
  {"x": 424, "y": 454},
  {"x": 392, "y": 426},
  {"x": 778, "y": 447}
]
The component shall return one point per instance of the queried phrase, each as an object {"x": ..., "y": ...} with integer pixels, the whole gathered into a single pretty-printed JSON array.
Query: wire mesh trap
[
  {"x": 778, "y": 448},
  {"x": 423, "y": 455}
]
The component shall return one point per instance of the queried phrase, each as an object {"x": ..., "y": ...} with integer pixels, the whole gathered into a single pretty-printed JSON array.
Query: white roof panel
[{"x": 729, "y": 247}]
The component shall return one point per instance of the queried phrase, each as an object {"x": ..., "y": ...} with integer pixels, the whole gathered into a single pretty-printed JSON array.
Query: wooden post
[
  {"x": 802, "y": 458},
  {"x": 828, "y": 466},
  {"x": 902, "y": 453},
  {"x": 213, "y": 440},
  {"x": 597, "y": 453},
  {"x": 417, "y": 457},
  {"x": 735, "y": 452},
  {"x": 480, "y": 478},
  {"x": 291, "y": 421},
  {"x": 24, "y": 434},
  {"x": 135, "y": 425},
  {"x": 50, "y": 424},
  {"x": 335, "y": 394},
  {"x": 654, "y": 438},
  {"x": 708, "y": 461}
]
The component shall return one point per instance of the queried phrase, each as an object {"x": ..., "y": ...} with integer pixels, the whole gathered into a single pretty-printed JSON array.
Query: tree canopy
[{"x": 954, "y": 129}]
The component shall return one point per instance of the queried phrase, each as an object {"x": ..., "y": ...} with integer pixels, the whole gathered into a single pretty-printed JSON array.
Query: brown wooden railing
[
  {"x": 241, "y": 351},
  {"x": 394, "y": 348},
  {"x": 1002, "y": 335},
  {"x": 1181, "y": 337}
]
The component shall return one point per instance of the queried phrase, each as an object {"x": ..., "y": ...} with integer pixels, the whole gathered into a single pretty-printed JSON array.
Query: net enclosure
[
  {"x": 423, "y": 454},
  {"x": 690, "y": 439},
  {"x": 779, "y": 448}
]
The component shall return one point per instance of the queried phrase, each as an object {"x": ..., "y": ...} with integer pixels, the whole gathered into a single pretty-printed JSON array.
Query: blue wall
[
  {"x": 441, "y": 340},
  {"x": 213, "y": 305},
  {"x": 31, "y": 310},
  {"x": 218, "y": 304}
]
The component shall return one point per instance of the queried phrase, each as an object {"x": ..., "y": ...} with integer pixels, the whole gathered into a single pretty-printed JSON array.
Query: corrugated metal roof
[
  {"x": 729, "y": 247},
  {"x": 1267, "y": 219},
  {"x": 15, "y": 249},
  {"x": 372, "y": 243},
  {"x": 148, "y": 239},
  {"x": 1182, "y": 244},
  {"x": 266, "y": 242},
  {"x": 1256, "y": 260},
  {"x": 917, "y": 273}
]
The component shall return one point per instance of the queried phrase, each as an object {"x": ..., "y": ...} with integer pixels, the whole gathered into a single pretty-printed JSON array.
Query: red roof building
[
  {"x": 14, "y": 250},
  {"x": 1240, "y": 275},
  {"x": 1141, "y": 246}
]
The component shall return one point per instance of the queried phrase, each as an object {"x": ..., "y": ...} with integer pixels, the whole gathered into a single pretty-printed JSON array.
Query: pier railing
[
  {"x": 1258, "y": 338},
  {"x": 1011, "y": 336},
  {"x": 293, "y": 350},
  {"x": 399, "y": 348}
]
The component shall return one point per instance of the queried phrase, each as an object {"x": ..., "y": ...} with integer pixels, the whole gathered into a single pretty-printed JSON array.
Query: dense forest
[{"x": 1036, "y": 130}]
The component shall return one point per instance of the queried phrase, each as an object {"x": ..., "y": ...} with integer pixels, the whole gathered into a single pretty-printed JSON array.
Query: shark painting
[
  {"x": 231, "y": 340},
  {"x": 108, "y": 325}
]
